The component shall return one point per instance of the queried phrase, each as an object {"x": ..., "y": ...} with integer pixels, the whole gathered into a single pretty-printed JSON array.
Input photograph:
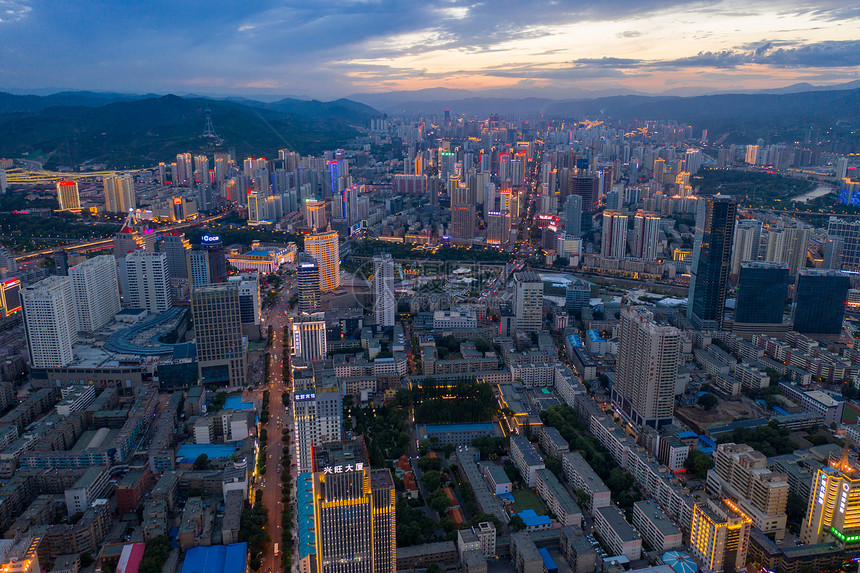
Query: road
[{"x": 278, "y": 420}]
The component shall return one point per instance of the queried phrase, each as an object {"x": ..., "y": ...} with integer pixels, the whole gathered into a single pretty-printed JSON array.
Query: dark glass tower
[
  {"x": 762, "y": 288},
  {"x": 712, "y": 257},
  {"x": 217, "y": 258},
  {"x": 819, "y": 305}
]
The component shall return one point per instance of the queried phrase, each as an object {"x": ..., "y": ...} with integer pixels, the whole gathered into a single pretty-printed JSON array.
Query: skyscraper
[
  {"x": 308, "y": 278},
  {"x": 384, "y": 303},
  {"x": 148, "y": 281},
  {"x": 96, "y": 292},
  {"x": 178, "y": 251},
  {"x": 249, "y": 303},
  {"x": 463, "y": 221},
  {"x": 309, "y": 341},
  {"x": 221, "y": 353},
  {"x": 712, "y": 248},
  {"x": 746, "y": 243},
  {"x": 317, "y": 418},
  {"x": 528, "y": 301},
  {"x": 762, "y": 288},
  {"x": 213, "y": 246},
  {"x": 67, "y": 195},
  {"x": 183, "y": 172},
  {"x": 833, "y": 510},
  {"x": 850, "y": 233},
  {"x": 819, "y": 303},
  {"x": 325, "y": 249},
  {"x": 614, "y": 241},
  {"x": 587, "y": 187},
  {"x": 833, "y": 247},
  {"x": 354, "y": 515},
  {"x": 498, "y": 227},
  {"x": 573, "y": 215},
  {"x": 646, "y": 235},
  {"x": 119, "y": 193},
  {"x": 788, "y": 244},
  {"x": 720, "y": 536},
  {"x": 315, "y": 215},
  {"x": 199, "y": 260},
  {"x": 49, "y": 322},
  {"x": 648, "y": 356}
]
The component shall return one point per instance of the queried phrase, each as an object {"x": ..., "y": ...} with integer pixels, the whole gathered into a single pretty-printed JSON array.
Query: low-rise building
[
  {"x": 526, "y": 458},
  {"x": 617, "y": 535},
  {"x": 657, "y": 530},
  {"x": 580, "y": 475},
  {"x": 557, "y": 499}
]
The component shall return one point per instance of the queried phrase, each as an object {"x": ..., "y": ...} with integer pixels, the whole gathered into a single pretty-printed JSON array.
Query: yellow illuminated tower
[
  {"x": 353, "y": 513},
  {"x": 315, "y": 214},
  {"x": 834, "y": 506},
  {"x": 67, "y": 196},
  {"x": 720, "y": 536},
  {"x": 325, "y": 249}
]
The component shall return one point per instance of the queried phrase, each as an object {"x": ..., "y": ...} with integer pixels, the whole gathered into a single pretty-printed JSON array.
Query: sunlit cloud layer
[{"x": 329, "y": 49}]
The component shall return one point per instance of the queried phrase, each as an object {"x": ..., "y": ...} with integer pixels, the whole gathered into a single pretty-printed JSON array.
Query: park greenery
[
  {"x": 770, "y": 440},
  {"x": 155, "y": 554},
  {"x": 461, "y": 402},
  {"x": 698, "y": 463},
  {"x": 758, "y": 188}
]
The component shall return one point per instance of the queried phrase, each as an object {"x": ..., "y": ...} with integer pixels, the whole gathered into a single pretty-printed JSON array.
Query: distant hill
[{"x": 145, "y": 130}]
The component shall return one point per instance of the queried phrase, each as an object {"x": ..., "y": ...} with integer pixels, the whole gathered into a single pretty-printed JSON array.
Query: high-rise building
[
  {"x": 249, "y": 303},
  {"x": 317, "y": 418},
  {"x": 463, "y": 221},
  {"x": 587, "y": 187},
  {"x": 178, "y": 251},
  {"x": 199, "y": 260},
  {"x": 96, "y": 292},
  {"x": 67, "y": 196},
  {"x": 833, "y": 248},
  {"x": 213, "y": 246},
  {"x": 384, "y": 303},
  {"x": 221, "y": 349},
  {"x": 528, "y": 301},
  {"x": 788, "y": 244},
  {"x": 746, "y": 244},
  {"x": 119, "y": 193},
  {"x": 659, "y": 170},
  {"x": 325, "y": 249},
  {"x": 309, "y": 341},
  {"x": 315, "y": 215},
  {"x": 201, "y": 171},
  {"x": 762, "y": 288},
  {"x": 354, "y": 515},
  {"x": 833, "y": 510},
  {"x": 148, "y": 281},
  {"x": 720, "y": 536},
  {"x": 10, "y": 297},
  {"x": 308, "y": 278},
  {"x": 132, "y": 237},
  {"x": 49, "y": 322},
  {"x": 712, "y": 248},
  {"x": 498, "y": 227},
  {"x": 614, "y": 241},
  {"x": 646, "y": 235},
  {"x": 850, "y": 233},
  {"x": 183, "y": 171},
  {"x": 648, "y": 356},
  {"x": 573, "y": 215},
  {"x": 819, "y": 303},
  {"x": 256, "y": 207}
]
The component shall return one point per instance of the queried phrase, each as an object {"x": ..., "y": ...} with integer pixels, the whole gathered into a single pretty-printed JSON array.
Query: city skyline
[{"x": 331, "y": 50}]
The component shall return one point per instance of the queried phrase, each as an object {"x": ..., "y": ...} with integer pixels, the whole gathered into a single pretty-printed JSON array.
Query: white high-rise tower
[
  {"x": 49, "y": 321},
  {"x": 383, "y": 290},
  {"x": 148, "y": 281},
  {"x": 96, "y": 292}
]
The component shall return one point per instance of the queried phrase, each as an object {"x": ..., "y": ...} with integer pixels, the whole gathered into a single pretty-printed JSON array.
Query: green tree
[
  {"x": 426, "y": 464},
  {"x": 432, "y": 480},
  {"x": 438, "y": 502},
  {"x": 708, "y": 401},
  {"x": 516, "y": 523},
  {"x": 698, "y": 463},
  {"x": 86, "y": 559},
  {"x": 201, "y": 463}
]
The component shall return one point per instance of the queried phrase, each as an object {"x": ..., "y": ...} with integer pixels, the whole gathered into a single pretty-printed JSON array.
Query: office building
[
  {"x": 646, "y": 236},
  {"x": 788, "y": 244},
  {"x": 720, "y": 536},
  {"x": 498, "y": 227},
  {"x": 587, "y": 187},
  {"x": 614, "y": 241},
  {"x": 119, "y": 193},
  {"x": 249, "y": 303},
  {"x": 833, "y": 247},
  {"x": 573, "y": 215},
  {"x": 849, "y": 230},
  {"x": 317, "y": 418},
  {"x": 325, "y": 249},
  {"x": 528, "y": 301},
  {"x": 67, "y": 196},
  {"x": 132, "y": 237},
  {"x": 746, "y": 244},
  {"x": 648, "y": 356},
  {"x": 308, "y": 278},
  {"x": 148, "y": 281},
  {"x": 833, "y": 511},
  {"x": 462, "y": 221},
  {"x": 715, "y": 225},
  {"x": 199, "y": 267},
  {"x": 354, "y": 515},
  {"x": 384, "y": 303},
  {"x": 315, "y": 216},
  {"x": 212, "y": 246},
  {"x": 178, "y": 251},
  {"x": 50, "y": 322},
  {"x": 96, "y": 291},
  {"x": 309, "y": 341},
  {"x": 762, "y": 288},
  {"x": 819, "y": 303},
  {"x": 221, "y": 348}
]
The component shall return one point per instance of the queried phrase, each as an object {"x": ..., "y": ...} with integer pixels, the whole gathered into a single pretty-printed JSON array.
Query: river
[{"x": 819, "y": 191}]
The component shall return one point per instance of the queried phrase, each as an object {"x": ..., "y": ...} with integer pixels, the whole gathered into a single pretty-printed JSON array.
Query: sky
[{"x": 333, "y": 48}]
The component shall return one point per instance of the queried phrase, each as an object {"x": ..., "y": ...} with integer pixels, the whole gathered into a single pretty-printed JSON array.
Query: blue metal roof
[
  {"x": 532, "y": 519},
  {"x": 305, "y": 517},
  {"x": 216, "y": 559},
  {"x": 593, "y": 335},
  {"x": 575, "y": 342},
  {"x": 548, "y": 562}
]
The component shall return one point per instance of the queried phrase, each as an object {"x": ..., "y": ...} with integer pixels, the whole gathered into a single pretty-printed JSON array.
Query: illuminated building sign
[
  {"x": 307, "y": 396},
  {"x": 844, "y": 538},
  {"x": 358, "y": 467},
  {"x": 210, "y": 238}
]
